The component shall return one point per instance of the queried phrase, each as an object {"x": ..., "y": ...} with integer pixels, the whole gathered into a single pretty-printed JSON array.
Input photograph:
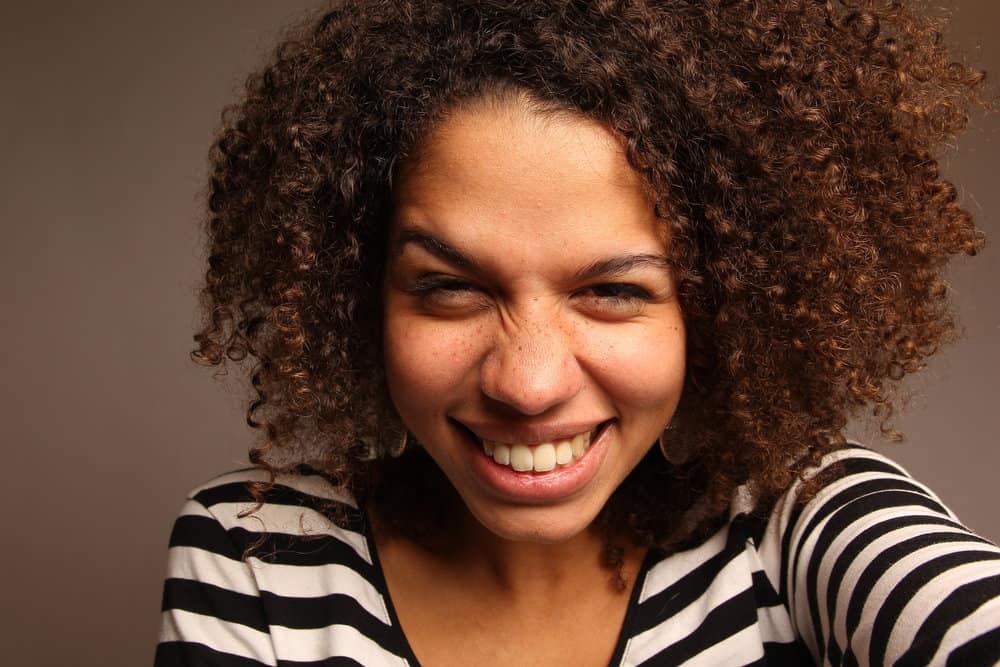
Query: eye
[
  {"x": 623, "y": 291},
  {"x": 614, "y": 299},
  {"x": 442, "y": 292}
]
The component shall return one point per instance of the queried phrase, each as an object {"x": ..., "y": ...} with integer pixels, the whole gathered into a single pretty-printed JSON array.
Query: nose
[{"x": 532, "y": 369}]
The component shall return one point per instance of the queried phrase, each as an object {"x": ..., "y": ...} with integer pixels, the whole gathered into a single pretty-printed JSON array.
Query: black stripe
[
  {"x": 186, "y": 654},
  {"x": 275, "y": 548},
  {"x": 983, "y": 651},
  {"x": 753, "y": 526},
  {"x": 886, "y": 559},
  {"x": 335, "y": 661},
  {"x": 853, "y": 511},
  {"x": 319, "y": 612},
  {"x": 908, "y": 587},
  {"x": 209, "y": 600},
  {"x": 279, "y": 494},
  {"x": 727, "y": 619},
  {"x": 959, "y": 604},
  {"x": 792, "y": 653},
  {"x": 204, "y": 533},
  {"x": 764, "y": 590},
  {"x": 285, "y": 549},
  {"x": 397, "y": 640},
  {"x": 230, "y": 492},
  {"x": 664, "y": 604},
  {"x": 850, "y": 552},
  {"x": 625, "y": 632},
  {"x": 855, "y": 465}
]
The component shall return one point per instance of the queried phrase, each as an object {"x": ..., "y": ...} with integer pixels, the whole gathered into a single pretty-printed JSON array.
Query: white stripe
[
  {"x": 316, "y": 485},
  {"x": 210, "y": 568},
  {"x": 732, "y": 580},
  {"x": 775, "y": 624},
  {"x": 234, "y": 477},
  {"x": 335, "y": 640},
  {"x": 194, "y": 508},
  {"x": 740, "y": 648},
  {"x": 219, "y": 635},
  {"x": 933, "y": 592},
  {"x": 290, "y": 520},
  {"x": 671, "y": 570},
  {"x": 310, "y": 581}
]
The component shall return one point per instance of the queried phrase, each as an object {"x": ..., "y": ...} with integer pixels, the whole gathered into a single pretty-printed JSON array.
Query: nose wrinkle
[{"x": 532, "y": 370}]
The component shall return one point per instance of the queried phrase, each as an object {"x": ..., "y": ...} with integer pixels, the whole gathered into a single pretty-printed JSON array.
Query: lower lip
[{"x": 534, "y": 487}]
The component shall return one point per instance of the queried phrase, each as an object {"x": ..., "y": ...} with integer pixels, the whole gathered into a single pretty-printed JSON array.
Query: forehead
[{"x": 506, "y": 169}]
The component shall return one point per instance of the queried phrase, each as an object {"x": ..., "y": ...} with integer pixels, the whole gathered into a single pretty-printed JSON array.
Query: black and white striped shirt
[{"x": 872, "y": 570}]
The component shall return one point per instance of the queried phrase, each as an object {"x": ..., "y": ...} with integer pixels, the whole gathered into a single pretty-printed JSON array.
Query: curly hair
[{"x": 789, "y": 149}]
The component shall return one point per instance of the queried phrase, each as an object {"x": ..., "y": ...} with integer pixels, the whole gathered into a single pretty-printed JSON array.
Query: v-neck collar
[{"x": 402, "y": 645}]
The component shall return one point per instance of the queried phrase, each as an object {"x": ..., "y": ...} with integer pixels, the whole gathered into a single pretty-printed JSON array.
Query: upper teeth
[{"x": 541, "y": 457}]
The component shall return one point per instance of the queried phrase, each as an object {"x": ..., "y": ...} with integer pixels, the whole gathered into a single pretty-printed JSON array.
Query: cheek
[
  {"x": 643, "y": 368},
  {"x": 426, "y": 361}
]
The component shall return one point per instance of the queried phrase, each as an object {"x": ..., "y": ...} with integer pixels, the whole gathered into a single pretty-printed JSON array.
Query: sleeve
[
  {"x": 875, "y": 570},
  {"x": 212, "y": 614}
]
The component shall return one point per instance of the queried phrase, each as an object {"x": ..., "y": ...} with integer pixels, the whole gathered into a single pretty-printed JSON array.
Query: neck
[
  {"x": 472, "y": 557},
  {"x": 524, "y": 567}
]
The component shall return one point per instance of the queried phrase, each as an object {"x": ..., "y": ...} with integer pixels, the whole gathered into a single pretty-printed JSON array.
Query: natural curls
[{"x": 789, "y": 146}]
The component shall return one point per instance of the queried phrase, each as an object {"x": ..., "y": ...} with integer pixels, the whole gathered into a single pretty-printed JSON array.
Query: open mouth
[{"x": 541, "y": 456}]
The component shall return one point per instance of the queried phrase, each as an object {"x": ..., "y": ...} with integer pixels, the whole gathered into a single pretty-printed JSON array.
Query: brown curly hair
[{"x": 789, "y": 146}]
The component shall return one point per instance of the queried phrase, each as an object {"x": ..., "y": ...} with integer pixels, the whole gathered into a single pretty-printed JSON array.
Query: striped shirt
[{"x": 872, "y": 570}]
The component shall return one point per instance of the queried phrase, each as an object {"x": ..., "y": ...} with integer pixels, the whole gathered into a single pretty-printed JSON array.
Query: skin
[{"x": 492, "y": 321}]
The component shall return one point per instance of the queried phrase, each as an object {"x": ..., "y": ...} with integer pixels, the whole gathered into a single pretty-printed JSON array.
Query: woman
[{"x": 556, "y": 312}]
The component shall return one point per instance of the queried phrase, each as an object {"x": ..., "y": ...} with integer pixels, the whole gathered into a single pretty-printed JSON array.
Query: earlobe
[{"x": 675, "y": 450}]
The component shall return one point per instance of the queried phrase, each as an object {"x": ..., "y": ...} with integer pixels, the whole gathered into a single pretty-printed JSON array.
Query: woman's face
[{"x": 533, "y": 339}]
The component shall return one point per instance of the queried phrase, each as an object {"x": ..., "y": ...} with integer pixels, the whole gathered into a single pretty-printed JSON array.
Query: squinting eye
[
  {"x": 445, "y": 292},
  {"x": 614, "y": 300},
  {"x": 429, "y": 284},
  {"x": 624, "y": 291}
]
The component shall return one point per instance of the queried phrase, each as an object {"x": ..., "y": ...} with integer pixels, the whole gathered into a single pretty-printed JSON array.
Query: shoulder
[
  {"x": 286, "y": 574},
  {"x": 851, "y": 484},
  {"x": 872, "y": 564},
  {"x": 245, "y": 513},
  {"x": 234, "y": 486}
]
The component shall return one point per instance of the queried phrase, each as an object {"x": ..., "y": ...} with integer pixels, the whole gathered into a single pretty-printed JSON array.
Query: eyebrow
[
  {"x": 618, "y": 266},
  {"x": 436, "y": 247},
  {"x": 602, "y": 268}
]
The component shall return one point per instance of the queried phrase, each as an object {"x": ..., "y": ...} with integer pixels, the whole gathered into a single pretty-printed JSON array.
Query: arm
[
  {"x": 212, "y": 613},
  {"x": 875, "y": 570}
]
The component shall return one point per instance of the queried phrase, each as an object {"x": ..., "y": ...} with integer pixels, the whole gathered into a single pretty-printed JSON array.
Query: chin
[{"x": 535, "y": 524}]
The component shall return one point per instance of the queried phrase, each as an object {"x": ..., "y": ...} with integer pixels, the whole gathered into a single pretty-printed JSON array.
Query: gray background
[{"x": 106, "y": 113}]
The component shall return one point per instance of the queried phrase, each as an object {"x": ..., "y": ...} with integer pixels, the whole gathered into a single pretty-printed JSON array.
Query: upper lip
[{"x": 528, "y": 433}]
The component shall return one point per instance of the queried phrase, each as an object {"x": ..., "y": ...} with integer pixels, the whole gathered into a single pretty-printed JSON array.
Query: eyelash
[
  {"x": 623, "y": 293},
  {"x": 430, "y": 284}
]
